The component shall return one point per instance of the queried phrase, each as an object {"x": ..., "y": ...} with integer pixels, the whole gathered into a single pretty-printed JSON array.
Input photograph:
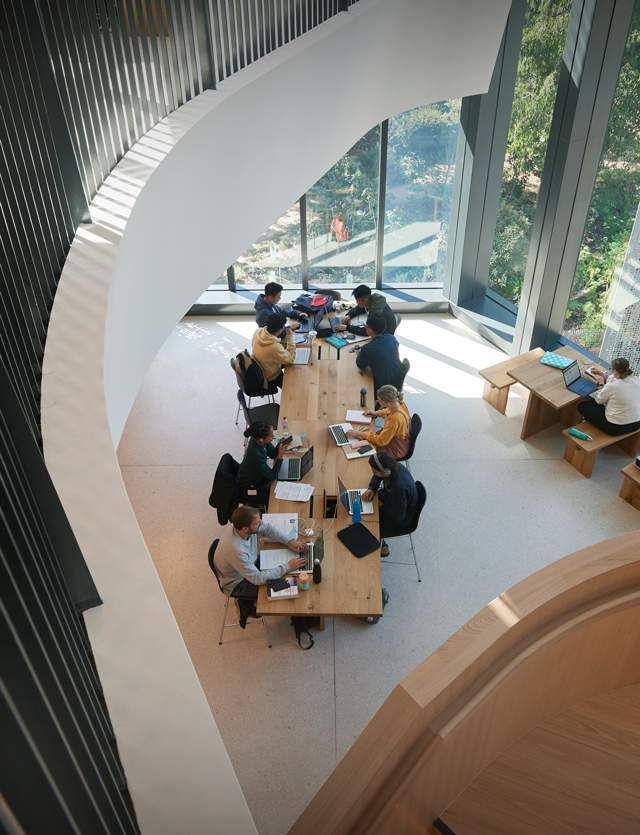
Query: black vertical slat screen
[{"x": 80, "y": 82}]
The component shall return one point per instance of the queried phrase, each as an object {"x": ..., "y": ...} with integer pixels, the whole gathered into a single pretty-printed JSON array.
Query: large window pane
[
  {"x": 543, "y": 42},
  {"x": 342, "y": 211},
  {"x": 275, "y": 256},
  {"x": 420, "y": 167},
  {"x": 599, "y": 301}
]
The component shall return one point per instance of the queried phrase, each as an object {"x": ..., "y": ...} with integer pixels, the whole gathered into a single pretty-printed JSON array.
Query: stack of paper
[
  {"x": 356, "y": 416},
  {"x": 293, "y": 491}
]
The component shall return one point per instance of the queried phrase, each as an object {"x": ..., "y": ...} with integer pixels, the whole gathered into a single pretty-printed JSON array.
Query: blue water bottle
[{"x": 357, "y": 508}]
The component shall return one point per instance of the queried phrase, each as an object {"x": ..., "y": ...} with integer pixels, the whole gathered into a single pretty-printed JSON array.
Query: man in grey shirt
[{"x": 236, "y": 560}]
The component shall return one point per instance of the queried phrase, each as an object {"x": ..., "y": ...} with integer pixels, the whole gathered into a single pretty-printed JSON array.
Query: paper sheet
[{"x": 293, "y": 491}]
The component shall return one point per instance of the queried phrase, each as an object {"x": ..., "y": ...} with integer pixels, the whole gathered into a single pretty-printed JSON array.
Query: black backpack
[
  {"x": 253, "y": 377},
  {"x": 302, "y": 625}
]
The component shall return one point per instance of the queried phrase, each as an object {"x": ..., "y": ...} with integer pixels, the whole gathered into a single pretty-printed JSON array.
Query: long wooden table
[
  {"x": 550, "y": 401},
  {"x": 327, "y": 388}
]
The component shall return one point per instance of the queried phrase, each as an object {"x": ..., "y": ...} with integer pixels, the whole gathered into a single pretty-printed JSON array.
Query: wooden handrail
[{"x": 562, "y": 635}]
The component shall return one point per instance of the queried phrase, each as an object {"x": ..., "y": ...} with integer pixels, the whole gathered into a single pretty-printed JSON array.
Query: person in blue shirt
[
  {"x": 267, "y": 303},
  {"x": 381, "y": 355},
  {"x": 397, "y": 496}
]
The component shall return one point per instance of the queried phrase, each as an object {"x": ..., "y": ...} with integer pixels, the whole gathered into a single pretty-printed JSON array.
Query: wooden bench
[
  {"x": 497, "y": 381},
  {"x": 630, "y": 490},
  {"x": 582, "y": 454}
]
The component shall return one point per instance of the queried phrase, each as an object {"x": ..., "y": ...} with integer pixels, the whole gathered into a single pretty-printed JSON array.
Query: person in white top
[{"x": 615, "y": 407}]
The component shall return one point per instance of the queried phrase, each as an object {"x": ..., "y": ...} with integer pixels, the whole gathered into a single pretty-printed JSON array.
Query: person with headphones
[{"x": 397, "y": 496}]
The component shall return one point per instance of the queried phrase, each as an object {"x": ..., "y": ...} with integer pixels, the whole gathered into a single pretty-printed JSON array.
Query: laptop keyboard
[
  {"x": 293, "y": 468},
  {"x": 353, "y": 495},
  {"x": 338, "y": 434},
  {"x": 309, "y": 556}
]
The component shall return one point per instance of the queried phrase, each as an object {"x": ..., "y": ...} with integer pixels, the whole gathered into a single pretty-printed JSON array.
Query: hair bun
[{"x": 247, "y": 432}]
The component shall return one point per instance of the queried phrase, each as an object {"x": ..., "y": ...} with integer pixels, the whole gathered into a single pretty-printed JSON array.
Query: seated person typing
[
  {"x": 238, "y": 562},
  {"x": 397, "y": 496},
  {"x": 254, "y": 470},
  {"x": 367, "y": 302},
  {"x": 382, "y": 354},
  {"x": 267, "y": 303},
  {"x": 615, "y": 408},
  {"x": 267, "y": 347},
  {"x": 394, "y": 435}
]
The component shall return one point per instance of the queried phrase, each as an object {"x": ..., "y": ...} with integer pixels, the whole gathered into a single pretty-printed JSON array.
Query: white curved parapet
[{"x": 191, "y": 195}]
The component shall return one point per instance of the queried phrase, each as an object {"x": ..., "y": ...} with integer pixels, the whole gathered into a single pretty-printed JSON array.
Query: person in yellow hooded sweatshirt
[{"x": 270, "y": 351}]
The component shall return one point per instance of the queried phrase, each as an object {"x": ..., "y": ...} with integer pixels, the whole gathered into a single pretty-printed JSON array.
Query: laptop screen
[
  {"x": 342, "y": 492},
  {"x": 306, "y": 463},
  {"x": 571, "y": 373},
  {"x": 318, "y": 318}
]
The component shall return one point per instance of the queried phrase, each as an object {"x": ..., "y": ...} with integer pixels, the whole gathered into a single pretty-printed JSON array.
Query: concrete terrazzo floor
[{"x": 498, "y": 509}]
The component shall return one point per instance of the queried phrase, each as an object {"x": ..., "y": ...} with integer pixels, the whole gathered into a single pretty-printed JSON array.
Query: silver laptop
[
  {"x": 338, "y": 432},
  {"x": 348, "y": 497},
  {"x": 303, "y": 355},
  {"x": 306, "y": 325},
  {"x": 293, "y": 469},
  {"x": 277, "y": 556}
]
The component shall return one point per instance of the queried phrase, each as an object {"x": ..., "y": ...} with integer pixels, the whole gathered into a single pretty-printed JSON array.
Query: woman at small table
[
  {"x": 394, "y": 435},
  {"x": 397, "y": 496},
  {"x": 615, "y": 407},
  {"x": 255, "y": 470}
]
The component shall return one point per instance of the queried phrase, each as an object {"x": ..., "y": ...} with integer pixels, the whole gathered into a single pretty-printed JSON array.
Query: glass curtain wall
[
  {"x": 614, "y": 204},
  {"x": 543, "y": 42},
  {"x": 342, "y": 212},
  {"x": 421, "y": 157},
  {"x": 275, "y": 256}
]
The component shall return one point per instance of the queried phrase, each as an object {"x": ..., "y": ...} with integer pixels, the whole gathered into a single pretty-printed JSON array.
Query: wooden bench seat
[
  {"x": 582, "y": 454},
  {"x": 497, "y": 381}
]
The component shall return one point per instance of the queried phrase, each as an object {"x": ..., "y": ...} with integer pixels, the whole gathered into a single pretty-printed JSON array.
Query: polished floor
[{"x": 498, "y": 509}]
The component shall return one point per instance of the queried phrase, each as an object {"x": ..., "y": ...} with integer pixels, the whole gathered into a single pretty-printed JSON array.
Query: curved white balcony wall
[{"x": 192, "y": 195}]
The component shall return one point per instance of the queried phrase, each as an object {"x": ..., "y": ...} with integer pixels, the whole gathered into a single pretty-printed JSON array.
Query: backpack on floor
[
  {"x": 302, "y": 625},
  {"x": 253, "y": 377},
  {"x": 385, "y": 600}
]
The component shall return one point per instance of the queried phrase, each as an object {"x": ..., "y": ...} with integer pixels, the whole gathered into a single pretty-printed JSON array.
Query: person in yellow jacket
[
  {"x": 394, "y": 435},
  {"x": 267, "y": 347}
]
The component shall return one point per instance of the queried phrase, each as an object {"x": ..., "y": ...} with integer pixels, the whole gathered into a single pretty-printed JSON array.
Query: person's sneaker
[{"x": 384, "y": 550}]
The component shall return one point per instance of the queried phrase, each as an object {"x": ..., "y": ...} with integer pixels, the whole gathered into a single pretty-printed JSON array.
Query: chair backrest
[
  {"x": 422, "y": 500},
  {"x": 212, "y": 565},
  {"x": 398, "y": 320},
  {"x": 416, "y": 428},
  {"x": 239, "y": 376},
  {"x": 335, "y": 294},
  {"x": 406, "y": 365}
]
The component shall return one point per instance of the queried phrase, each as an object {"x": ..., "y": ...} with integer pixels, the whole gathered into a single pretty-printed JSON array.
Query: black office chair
[
  {"x": 225, "y": 625},
  {"x": 416, "y": 428},
  {"x": 406, "y": 365},
  {"x": 273, "y": 389},
  {"x": 269, "y": 412},
  {"x": 410, "y": 529}
]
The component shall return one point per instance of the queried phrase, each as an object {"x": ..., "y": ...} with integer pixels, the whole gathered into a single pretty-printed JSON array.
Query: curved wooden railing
[{"x": 565, "y": 634}]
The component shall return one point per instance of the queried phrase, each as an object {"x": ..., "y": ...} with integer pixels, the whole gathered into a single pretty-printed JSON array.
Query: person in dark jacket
[
  {"x": 371, "y": 303},
  {"x": 381, "y": 355},
  {"x": 397, "y": 496},
  {"x": 267, "y": 303},
  {"x": 254, "y": 470}
]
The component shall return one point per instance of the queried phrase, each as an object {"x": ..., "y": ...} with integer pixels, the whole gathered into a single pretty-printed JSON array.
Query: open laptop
[
  {"x": 348, "y": 497},
  {"x": 338, "y": 431},
  {"x": 306, "y": 324},
  {"x": 275, "y": 557},
  {"x": 293, "y": 469},
  {"x": 575, "y": 382}
]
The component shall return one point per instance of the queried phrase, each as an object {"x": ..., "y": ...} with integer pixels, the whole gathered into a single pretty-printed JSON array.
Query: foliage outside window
[
  {"x": 613, "y": 207},
  {"x": 420, "y": 168},
  {"x": 342, "y": 211},
  {"x": 534, "y": 97},
  {"x": 275, "y": 256}
]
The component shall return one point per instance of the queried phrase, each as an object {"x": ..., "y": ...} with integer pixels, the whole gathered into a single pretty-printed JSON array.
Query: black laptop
[
  {"x": 305, "y": 324},
  {"x": 575, "y": 382}
]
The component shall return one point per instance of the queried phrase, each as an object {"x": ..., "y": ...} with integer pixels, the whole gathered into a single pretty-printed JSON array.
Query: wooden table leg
[
  {"x": 539, "y": 416},
  {"x": 578, "y": 458},
  {"x": 496, "y": 397},
  {"x": 322, "y": 623},
  {"x": 630, "y": 492}
]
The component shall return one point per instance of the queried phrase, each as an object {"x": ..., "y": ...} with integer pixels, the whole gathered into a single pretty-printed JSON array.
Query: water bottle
[
  {"x": 285, "y": 427},
  {"x": 357, "y": 508},
  {"x": 317, "y": 571},
  {"x": 363, "y": 398}
]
